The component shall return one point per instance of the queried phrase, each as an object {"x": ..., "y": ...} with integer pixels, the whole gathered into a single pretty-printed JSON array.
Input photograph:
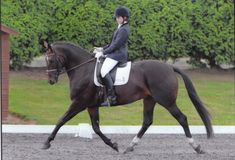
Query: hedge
[{"x": 160, "y": 29}]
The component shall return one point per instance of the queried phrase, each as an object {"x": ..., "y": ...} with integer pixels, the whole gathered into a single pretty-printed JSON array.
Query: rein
[
  {"x": 65, "y": 71},
  {"x": 77, "y": 66},
  {"x": 59, "y": 71}
]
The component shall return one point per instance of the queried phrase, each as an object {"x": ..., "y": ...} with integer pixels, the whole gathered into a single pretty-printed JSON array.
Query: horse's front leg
[
  {"x": 73, "y": 110},
  {"x": 94, "y": 116}
]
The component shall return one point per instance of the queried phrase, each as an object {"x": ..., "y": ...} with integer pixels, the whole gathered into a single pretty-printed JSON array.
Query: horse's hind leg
[
  {"x": 149, "y": 104},
  {"x": 182, "y": 119}
]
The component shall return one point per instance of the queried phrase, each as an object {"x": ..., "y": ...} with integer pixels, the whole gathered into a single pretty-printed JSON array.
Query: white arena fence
[{"x": 86, "y": 131}]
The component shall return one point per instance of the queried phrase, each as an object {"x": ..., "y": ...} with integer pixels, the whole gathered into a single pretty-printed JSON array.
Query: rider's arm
[{"x": 118, "y": 42}]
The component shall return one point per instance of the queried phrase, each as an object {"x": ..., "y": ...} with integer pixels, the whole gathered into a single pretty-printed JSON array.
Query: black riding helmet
[{"x": 121, "y": 12}]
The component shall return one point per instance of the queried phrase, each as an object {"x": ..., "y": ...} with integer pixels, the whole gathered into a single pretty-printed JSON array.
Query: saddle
[{"x": 120, "y": 73}]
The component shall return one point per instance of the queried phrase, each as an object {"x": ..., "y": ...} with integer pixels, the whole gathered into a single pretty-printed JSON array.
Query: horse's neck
[
  {"x": 75, "y": 57},
  {"x": 81, "y": 77}
]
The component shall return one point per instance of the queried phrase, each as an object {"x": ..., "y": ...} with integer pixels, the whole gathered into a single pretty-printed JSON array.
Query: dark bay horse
[{"x": 150, "y": 80}]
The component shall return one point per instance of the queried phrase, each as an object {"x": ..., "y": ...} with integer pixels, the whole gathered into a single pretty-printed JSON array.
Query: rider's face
[{"x": 119, "y": 20}]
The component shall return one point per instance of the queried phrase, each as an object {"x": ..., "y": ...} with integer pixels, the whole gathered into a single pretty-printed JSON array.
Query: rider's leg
[
  {"x": 108, "y": 65},
  {"x": 110, "y": 89}
]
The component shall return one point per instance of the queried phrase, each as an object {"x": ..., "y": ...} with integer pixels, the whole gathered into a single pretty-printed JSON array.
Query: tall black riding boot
[{"x": 111, "y": 99}]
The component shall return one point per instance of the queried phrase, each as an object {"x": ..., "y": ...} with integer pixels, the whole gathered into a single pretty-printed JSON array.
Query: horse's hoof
[
  {"x": 46, "y": 146},
  {"x": 199, "y": 150},
  {"x": 129, "y": 149},
  {"x": 115, "y": 146}
]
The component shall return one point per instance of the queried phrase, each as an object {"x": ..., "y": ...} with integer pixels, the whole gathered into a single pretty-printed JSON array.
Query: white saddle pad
[{"x": 122, "y": 75}]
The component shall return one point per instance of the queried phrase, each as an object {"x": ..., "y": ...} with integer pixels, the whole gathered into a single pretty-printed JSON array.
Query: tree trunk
[{"x": 212, "y": 63}]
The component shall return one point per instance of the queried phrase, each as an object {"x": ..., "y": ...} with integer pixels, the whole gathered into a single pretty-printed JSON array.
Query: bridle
[{"x": 59, "y": 70}]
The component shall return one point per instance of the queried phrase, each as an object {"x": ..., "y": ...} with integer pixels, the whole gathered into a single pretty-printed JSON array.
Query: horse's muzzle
[{"x": 51, "y": 82}]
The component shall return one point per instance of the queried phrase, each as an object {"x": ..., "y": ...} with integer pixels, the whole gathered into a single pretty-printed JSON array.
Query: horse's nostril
[{"x": 51, "y": 82}]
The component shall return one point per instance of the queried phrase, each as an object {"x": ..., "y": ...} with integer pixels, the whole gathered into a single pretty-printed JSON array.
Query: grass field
[{"x": 32, "y": 98}]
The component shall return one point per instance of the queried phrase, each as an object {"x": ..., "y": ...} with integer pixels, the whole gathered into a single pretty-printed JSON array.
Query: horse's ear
[{"x": 46, "y": 45}]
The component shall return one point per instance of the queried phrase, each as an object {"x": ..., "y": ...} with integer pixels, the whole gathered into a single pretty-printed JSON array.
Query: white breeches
[{"x": 108, "y": 65}]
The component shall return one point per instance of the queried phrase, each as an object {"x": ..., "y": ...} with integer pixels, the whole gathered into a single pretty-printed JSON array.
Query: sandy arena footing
[{"x": 151, "y": 147}]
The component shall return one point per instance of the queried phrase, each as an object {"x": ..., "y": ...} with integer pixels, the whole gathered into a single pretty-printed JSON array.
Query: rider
[{"x": 115, "y": 52}]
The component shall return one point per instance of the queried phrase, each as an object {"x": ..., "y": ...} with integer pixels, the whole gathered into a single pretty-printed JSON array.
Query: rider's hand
[
  {"x": 98, "y": 54},
  {"x": 98, "y": 49}
]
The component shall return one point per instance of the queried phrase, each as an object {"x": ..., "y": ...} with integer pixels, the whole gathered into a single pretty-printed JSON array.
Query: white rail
[{"x": 75, "y": 129}]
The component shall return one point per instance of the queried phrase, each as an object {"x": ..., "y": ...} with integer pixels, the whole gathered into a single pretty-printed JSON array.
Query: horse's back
[{"x": 156, "y": 69}]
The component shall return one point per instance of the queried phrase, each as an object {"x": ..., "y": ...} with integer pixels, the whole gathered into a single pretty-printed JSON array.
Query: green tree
[
  {"x": 160, "y": 29},
  {"x": 29, "y": 20},
  {"x": 212, "y": 37},
  {"x": 86, "y": 24}
]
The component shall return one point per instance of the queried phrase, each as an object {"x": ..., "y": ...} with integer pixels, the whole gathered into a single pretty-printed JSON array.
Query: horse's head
[{"x": 54, "y": 65}]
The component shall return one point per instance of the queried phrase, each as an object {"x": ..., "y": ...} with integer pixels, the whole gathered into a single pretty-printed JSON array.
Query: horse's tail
[{"x": 201, "y": 109}]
